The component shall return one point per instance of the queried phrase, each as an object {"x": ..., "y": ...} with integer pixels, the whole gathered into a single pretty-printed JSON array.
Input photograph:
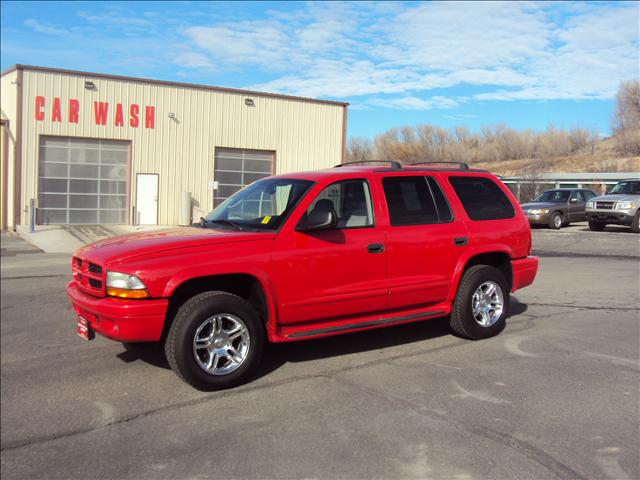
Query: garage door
[
  {"x": 236, "y": 168},
  {"x": 83, "y": 181}
]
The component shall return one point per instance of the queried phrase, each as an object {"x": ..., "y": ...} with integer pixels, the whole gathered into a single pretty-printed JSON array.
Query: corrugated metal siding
[
  {"x": 9, "y": 104},
  {"x": 304, "y": 135}
]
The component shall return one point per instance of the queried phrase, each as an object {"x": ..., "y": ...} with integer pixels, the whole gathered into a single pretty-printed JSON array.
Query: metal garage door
[
  {"x": 236, "y": 168},
  {"x": 83, "y": 181}
]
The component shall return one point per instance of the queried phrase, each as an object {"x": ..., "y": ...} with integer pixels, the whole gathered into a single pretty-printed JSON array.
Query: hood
[
  {"x": 528, "y": 206},
  {"x": 616, "y": 197},
  {"x": 144, "y": 243}
]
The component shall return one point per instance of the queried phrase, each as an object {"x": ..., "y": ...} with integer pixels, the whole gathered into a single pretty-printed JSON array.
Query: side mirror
[{"x": 318, "y": 220}]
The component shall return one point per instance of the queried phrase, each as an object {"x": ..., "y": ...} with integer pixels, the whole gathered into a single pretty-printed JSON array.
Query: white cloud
[
  {"x": 193, "y": 60},
  {"x": 249, "y": 43},
  {"x": 44, "y": 28},
  {"x": 512, "y": 50},
  {"x": 415, "y": 103}
]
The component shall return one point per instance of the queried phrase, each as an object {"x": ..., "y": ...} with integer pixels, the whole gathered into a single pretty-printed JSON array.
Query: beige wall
[
  {"x": 9, "y": 106},
  {"x": 305, "y": 135}
]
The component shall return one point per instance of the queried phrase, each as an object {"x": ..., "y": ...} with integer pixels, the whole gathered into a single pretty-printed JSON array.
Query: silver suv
[{"x": 620, "y": 207}]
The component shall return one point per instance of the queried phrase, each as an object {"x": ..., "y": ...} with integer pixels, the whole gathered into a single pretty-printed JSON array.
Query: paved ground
[{"x": 556, "y": 395}]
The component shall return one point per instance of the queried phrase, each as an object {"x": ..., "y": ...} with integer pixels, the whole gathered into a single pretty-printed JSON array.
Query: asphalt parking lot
[{"x": 556, "y": 395}]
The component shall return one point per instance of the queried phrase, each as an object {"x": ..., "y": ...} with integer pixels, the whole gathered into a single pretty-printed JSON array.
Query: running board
[{"x": 373, "y": 323}]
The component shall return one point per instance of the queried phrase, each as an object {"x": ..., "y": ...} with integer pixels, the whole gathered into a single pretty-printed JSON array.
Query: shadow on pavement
[{"x": 276, "y": 355}]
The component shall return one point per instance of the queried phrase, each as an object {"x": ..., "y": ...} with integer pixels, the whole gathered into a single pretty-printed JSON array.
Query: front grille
[
  {"x": 605, "y": 205},
  {"x": 88, "y": 276},
  {"x": 93, "y": 268}
]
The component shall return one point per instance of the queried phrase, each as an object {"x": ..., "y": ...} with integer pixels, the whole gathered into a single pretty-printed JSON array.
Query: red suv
[{"x": 309, "y": 255}]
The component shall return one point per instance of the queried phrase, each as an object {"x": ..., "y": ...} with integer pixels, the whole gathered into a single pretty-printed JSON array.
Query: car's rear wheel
[
  {"x": 555, "y": 220},
  {"x": 215, "y": 341},
  {"x": 481, "y": 303},
  {"x": 596, "y": 226},
  {"x": 635, "y": 226}
]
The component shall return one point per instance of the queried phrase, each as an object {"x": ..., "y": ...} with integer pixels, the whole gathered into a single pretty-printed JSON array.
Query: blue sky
[{"x": 524, "y": 64}]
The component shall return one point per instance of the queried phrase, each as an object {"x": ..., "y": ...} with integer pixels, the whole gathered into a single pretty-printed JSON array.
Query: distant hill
[{"x": 602, "y": 158}]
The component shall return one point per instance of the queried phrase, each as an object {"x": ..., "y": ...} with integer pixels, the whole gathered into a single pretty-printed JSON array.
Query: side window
[
  {"x": 444, "y": 212},
  {"x": 410, "y": 201},
  {"x": 350, "y": 199},
  {"x": 588, "y": 195},
  {"x": 578, "y": 196},
  {"x": 482, "y": 198}
]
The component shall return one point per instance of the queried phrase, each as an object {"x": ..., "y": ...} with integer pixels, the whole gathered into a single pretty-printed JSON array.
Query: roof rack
[
  {"x": 394, "y": 164},
  {"x": 462, "y": 165}
]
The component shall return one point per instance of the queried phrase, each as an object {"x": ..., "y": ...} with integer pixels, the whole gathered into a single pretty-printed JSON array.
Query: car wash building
[{"x": 87, "y": 148}]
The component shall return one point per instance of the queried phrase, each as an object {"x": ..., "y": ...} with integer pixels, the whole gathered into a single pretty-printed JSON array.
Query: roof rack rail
[
  {"x": 462, "y": 165},
  {"x": 394, "y": 164}
]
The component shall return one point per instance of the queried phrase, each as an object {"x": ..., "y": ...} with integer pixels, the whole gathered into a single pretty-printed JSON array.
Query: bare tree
[
  {"x": 360, "y": 148},
  {"x": 626, "y": 119}
]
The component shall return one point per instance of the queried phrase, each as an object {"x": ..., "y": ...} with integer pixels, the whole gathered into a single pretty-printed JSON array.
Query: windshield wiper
[{"x": 222, "y": 222}]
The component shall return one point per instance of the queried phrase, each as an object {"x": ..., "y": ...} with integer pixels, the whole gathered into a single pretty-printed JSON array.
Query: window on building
[
  {"x": 235, "y": 169},
  {"x": 482, "y": 198},
  {"x": 83, "y": 181}
]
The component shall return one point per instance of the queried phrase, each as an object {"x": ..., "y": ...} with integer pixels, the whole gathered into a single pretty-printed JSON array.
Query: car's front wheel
[
  {"x": 555, "y": 220},
  {"x": 481, "y": 303},
  {"x": 215, "y": 341}
]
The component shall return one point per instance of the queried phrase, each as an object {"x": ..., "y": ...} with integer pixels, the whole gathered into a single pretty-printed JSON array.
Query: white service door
[{"x": 147, "y": 199}]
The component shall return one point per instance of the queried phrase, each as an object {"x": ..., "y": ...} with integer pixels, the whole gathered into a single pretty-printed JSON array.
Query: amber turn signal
[{"x": 124, "y": 293}]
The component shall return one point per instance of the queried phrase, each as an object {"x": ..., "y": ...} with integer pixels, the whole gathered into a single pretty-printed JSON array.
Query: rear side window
[
  {"x": 482, "y": 198},
  {"x": 411, "y": 202},
  {"x": 444, "y": 212}
]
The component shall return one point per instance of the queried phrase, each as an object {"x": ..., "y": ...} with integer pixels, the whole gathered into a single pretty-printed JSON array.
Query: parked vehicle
[
  {"x": 309, "y": 255},
  {"x": 558, "y": 207},
  {"x": 620, "y": 207}
]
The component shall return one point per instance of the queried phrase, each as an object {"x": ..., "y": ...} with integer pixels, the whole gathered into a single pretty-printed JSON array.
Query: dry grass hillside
[{"x": 603, "y": 157}]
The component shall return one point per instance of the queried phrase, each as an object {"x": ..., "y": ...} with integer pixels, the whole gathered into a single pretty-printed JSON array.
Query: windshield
[
  {"x": 554, "y": 196},
  {"x": 632, "y": 188},
  {"x": 263, "y": 205}
]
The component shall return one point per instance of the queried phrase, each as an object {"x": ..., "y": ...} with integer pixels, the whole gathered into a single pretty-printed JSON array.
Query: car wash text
[{"x": 103, "y": 112}]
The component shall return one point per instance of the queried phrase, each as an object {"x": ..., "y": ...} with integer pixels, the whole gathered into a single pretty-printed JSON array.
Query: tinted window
[
  {"x": 409, "y": 201},
  {"x": 482, "y": 198},
  {"x": 559, "y": 196},
  {"x": 627, "y": 187},
  {"x": 578, "y": 196},
  {"x": 444, "y": 212},
  {"x": 351, "y": 201}
]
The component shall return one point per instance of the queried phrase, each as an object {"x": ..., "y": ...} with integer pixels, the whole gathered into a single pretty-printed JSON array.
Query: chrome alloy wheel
[
  {"x": 557, "y": 221},
  {"x": 487, "y": 303},
  {"x": 221, "y": 343}
]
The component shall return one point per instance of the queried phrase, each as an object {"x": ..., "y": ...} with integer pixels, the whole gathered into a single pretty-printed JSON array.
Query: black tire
[
  {"x": 462, "y": 321},
  {"x": 191, "y": 315},
  {"x": 596, "y": 226},
  {"x": 556, "y": 219},
  {"x": 635, "y": 226}
]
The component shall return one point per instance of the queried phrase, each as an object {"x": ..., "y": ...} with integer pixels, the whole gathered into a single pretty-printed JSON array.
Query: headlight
[
  {"x": 124, "y": 285},
  {"x": 538, "y": 211},
  {"x": 590, "y": 204},
  {"x": 624, "y": 205}
]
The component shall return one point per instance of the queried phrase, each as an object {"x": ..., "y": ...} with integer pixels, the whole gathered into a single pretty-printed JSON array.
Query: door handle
[
  {"x": 375, "y": 248},
  {"x": 460, "y": 241}
]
